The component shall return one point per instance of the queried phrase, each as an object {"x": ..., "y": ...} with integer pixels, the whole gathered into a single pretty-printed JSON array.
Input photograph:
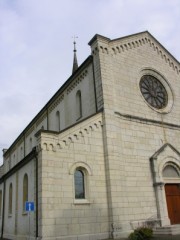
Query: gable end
[{"x": 120, "y": 45}]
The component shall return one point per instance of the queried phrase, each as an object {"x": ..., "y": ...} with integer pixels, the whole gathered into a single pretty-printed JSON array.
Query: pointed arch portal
[
  {"x": 171, "y": 175},
  {"x": 165, "y": 166}
]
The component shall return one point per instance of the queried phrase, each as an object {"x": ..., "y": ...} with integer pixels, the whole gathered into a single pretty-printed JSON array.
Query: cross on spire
[{"x": 75, "y": 62}]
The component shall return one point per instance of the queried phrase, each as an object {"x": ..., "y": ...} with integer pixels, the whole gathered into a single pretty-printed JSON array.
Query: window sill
[
  {"x": 81, "y": 201},
  {"x": 24, "y": 213}
]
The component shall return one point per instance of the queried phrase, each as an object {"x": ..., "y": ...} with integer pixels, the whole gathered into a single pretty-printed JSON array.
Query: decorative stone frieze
[
  {"x": 56, "y": 103},
  {"x": 30, "y": 130},
  {"x": 77, "y": 81},
  {"x": 39, "y": 121},
  {"x": 118, "y": 46},
  {"x": 58, "y": 142}
]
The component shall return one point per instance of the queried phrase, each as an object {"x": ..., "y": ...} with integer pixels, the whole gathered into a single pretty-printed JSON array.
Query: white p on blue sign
[{"x": 29, "y": 206}]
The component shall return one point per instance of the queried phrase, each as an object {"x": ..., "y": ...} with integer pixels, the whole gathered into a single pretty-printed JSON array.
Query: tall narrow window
[
  {"x": 78, "y": 105},
  {"x": 21, "y": 153},
  {"x": 58, "y": 121},
  {"x": 30, "y": 144},
  {"x": 9, "y": 164},
  {"x": 10, "y": 198},
  {"x": 0, "y": 202},
  {"x": 79, "y": 184},
  {"x": 25, "y": 190}
]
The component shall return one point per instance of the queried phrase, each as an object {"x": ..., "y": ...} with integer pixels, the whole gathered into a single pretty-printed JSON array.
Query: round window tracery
[{"x": 153, "y": 92}]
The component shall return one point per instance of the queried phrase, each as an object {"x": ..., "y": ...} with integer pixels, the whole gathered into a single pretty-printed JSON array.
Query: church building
[{"x": 102, "y": 157}]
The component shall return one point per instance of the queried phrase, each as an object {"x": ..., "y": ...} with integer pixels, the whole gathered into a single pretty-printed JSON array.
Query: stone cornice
[
  {"x": 53, "y": 141},
  {"x": 120, "y": 45},
  {"x": 56, "y": 102},
  {"x": 147, "y": 120},
  {"x": 77, "y": 81},
  {"x": 142, "y": 40}
]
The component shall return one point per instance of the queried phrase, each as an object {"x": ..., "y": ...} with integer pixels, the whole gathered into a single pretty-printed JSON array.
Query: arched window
[
  {"x": 25, "y": 190},
  {"x": 79, "y": 184},
  {"x": 21, "y": 153},
  {"x": 30, "y": 144},
  {"x": 10, "y": 198},
  {"x": 78, "y": 105},
  {"x": 58, "y": 121},
  {"x": 9, "y": 164}
]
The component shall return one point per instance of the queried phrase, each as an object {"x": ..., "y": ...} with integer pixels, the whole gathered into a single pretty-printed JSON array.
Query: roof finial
[{"x": 75, "y": 63}]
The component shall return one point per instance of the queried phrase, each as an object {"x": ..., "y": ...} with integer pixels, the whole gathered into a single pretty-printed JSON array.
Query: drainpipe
[
  {"x": 4, "y": 193},
  {"x": 36, "y": 157}
]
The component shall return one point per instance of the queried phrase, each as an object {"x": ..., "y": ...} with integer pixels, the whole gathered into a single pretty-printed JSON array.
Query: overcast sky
[{"x": 36, "y": 46}]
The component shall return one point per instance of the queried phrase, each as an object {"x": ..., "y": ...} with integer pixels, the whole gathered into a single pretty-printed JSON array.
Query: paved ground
[{"x": 177, "y": 237}]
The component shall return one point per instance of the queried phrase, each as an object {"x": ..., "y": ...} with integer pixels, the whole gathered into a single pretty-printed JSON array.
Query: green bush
[{"x": 143, "y": 233}]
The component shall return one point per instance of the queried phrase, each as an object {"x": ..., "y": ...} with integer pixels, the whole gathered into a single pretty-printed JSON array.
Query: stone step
[
  {"x": 164, "y": 237},
  {"x": 167, "y": 230}
]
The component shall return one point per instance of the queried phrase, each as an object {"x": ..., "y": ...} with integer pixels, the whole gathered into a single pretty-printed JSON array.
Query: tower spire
[{"x": 75, "y": 62}]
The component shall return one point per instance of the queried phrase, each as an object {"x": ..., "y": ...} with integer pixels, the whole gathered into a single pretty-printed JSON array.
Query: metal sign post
[
  {"x": 29, "y": 226},
  {"x": 29, "y": 207}
]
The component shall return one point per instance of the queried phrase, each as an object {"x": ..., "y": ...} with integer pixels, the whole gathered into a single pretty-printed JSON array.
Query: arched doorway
[{"x": 171, "y": 177}]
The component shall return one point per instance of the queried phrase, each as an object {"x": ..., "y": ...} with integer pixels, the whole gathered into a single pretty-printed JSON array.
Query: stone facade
[{"x": 100, "y": 124}]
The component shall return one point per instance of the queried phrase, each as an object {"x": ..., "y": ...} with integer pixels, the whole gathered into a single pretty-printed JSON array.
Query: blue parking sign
[{"x": 29, "y": 206}]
